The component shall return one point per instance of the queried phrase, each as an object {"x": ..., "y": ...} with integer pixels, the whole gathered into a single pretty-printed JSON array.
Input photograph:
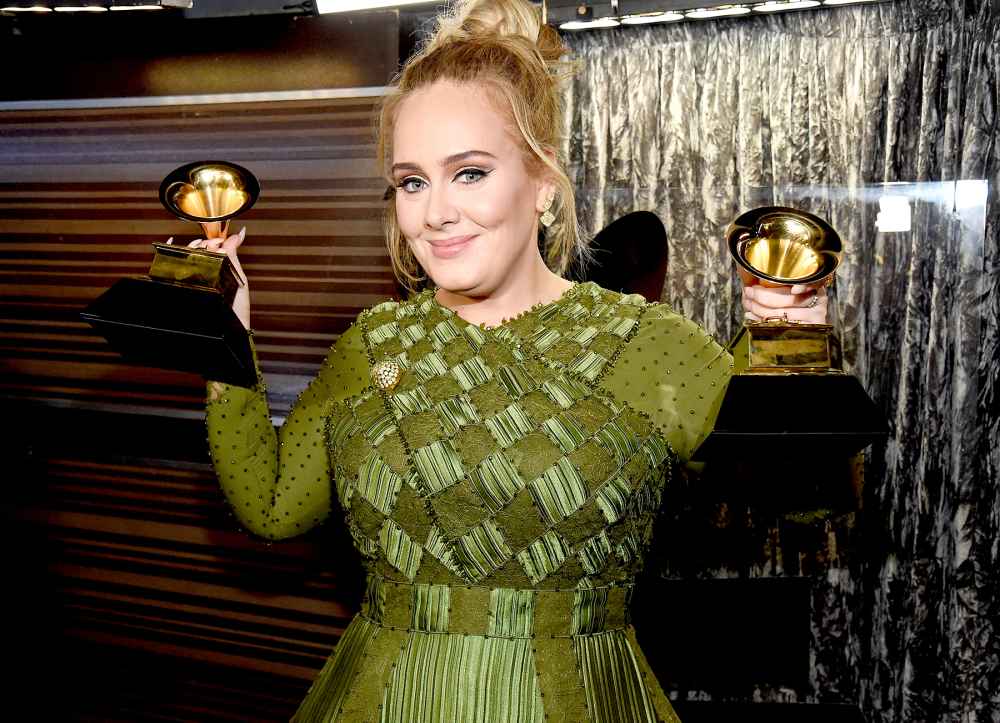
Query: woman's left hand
[{"x": 799, "y": 303}]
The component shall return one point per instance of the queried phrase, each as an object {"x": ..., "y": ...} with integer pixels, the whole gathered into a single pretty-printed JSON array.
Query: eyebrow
[{"x": 454, "y": 158}]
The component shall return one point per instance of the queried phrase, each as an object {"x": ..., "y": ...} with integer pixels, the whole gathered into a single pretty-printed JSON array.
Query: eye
[
  {"x": 407, "y": 184},
  {"x": 471, "y": 175}
]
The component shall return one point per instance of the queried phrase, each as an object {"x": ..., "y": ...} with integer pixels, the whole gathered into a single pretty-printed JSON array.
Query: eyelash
[{"x": 482, "y": 174}]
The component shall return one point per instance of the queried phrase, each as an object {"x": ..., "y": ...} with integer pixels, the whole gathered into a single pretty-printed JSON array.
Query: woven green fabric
[{"x": 501, "y": 495}]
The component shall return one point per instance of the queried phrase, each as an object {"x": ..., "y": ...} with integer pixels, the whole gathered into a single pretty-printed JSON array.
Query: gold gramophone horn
[
  {"x": 784, "y": 245},
  {"x": 209, "y": 191}
]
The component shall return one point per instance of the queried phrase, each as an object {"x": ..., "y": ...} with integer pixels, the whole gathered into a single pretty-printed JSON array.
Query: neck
[{"x": 517, "y": 293}]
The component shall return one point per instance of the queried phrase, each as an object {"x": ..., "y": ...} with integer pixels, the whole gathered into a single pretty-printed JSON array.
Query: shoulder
[
  {"x": 668, "y": 348},
  {"x": 655, "y": 322},
  {"x": 661, "y": 325},
  {"x": 674, "y": 372},
  {"x": 604, "y": 299}
]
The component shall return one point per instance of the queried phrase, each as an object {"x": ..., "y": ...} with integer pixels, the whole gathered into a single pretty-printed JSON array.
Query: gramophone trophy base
[
  {"x": 782, "y": 348},
  {"x": 783, "y": 402},
  {"x": 174, "y": 326},
  {"x": 195, "y": 267}
]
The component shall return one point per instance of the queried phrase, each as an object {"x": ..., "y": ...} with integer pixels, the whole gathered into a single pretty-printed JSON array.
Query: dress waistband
[{"x": 501, "y": 612}]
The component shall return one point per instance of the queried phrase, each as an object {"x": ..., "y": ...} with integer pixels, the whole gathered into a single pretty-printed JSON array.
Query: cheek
[
  {"x": 485, "y": 211},
  {"x": 406, "y": 216},
  {"x": 506, "y": 210}
]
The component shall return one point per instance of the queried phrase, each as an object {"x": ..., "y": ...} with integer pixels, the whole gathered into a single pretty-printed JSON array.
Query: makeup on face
[{"x": 465, "y": 201}]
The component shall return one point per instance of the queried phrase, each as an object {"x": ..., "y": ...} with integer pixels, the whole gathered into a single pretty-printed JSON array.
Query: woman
[{"x": 499, "y": 442}]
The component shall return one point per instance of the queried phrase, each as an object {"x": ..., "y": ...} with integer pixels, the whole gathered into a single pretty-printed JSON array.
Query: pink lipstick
[{"x": 450, "y": 247}]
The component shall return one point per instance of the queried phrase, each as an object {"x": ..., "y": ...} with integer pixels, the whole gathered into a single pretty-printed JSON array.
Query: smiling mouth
[
  {"x": 449, "y": 242},
  {"x": 450, "y": 247}
]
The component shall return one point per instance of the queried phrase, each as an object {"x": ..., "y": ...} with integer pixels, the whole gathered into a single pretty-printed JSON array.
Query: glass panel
[{"x": 882, "y": 226}]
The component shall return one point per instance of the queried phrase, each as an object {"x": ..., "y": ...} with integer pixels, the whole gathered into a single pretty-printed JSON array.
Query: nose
[{"x": 440, "y": 208}]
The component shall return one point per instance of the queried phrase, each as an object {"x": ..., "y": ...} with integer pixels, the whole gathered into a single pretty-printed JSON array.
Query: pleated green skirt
[{"x": 448, "y": 654}]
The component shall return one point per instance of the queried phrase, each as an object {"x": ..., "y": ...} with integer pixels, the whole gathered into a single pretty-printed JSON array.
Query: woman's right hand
[{"x": 241, "y": 302}]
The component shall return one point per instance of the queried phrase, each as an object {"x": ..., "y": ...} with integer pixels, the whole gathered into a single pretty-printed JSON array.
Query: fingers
[
  {"x": 815, "y": 315},
  {"x": 762, "y": 303},
  {"x": 220, "y": 244},
  {"x": 783, "y": 296},
  {"x": 209, "y": 244},
  {"x": 806, "y": 288},
  {"x": 235, "y": 241},
  {"x": 804, "y": 314}
]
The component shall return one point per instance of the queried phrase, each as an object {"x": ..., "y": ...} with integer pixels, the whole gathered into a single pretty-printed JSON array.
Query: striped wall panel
[
  {"x": 79, "y": 209},
  {"x": 142, "y": 561},
  {"x": 134, "y": 589}
]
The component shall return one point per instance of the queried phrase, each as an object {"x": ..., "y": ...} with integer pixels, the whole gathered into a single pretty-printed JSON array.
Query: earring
[{"x": 548, "y": 217}]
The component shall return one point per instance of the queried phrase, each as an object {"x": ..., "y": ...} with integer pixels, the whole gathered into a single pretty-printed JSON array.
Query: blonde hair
[{"x": 502, "y": 46}]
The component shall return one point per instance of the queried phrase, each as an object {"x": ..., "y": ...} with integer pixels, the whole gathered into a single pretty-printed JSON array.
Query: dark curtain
[{"x": 701, "y": 120}]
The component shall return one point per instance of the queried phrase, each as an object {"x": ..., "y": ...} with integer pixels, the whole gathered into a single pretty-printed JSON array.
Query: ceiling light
[
  {"x": 346, "y": 6},
  {"x": 150, "y": 5},
  {"x": 644, "y": 18},
  {"x": 590, "y": 24},
  {"x": 772, "y": 6},
  {"x": 94, "y": 6},
  {"x": 717, "y": 12},
  {"x": 847, "y": 2}
]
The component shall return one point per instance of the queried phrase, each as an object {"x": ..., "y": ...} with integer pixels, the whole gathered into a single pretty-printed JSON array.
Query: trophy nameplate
[
  {"x": 195, "y": 267},
  {"x": 180, "y": 315},
  {"x": 781, "y": 348}
]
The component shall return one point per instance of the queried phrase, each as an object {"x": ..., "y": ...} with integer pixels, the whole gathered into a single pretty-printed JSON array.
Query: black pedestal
[
  {"x": 174, "y": 327},
  {"x": 808, "y": 415}
]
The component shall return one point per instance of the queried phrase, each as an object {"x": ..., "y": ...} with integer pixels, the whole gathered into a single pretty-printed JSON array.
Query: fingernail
[{"x": 243, "y": 233}]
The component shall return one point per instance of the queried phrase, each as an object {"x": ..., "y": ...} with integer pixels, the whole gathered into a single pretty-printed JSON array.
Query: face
[{"x": 466, "y": 203}]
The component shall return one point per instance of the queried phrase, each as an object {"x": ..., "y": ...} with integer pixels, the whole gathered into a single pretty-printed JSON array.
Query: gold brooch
[{"x": 386, "y": 374}]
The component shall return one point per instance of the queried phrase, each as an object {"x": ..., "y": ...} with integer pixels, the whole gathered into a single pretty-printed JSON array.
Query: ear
[
  {"x": 546, "y": 186},
  {"x": 546, "y": 190}
]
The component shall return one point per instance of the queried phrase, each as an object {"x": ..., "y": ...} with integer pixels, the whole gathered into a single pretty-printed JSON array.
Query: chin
[{"x": 457, "y": 280}]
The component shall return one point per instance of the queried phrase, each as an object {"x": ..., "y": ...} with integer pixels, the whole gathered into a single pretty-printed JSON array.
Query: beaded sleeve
[
  {"x": 673, "y": 371},
  {"x": 279, "y": 483}
]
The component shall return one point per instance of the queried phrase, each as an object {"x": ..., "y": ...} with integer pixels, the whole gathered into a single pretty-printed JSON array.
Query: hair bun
[{"x": 473, "y": 19}]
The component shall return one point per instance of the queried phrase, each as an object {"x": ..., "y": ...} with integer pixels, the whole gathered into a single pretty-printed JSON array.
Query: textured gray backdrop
[{"x": 698, "y": 121}]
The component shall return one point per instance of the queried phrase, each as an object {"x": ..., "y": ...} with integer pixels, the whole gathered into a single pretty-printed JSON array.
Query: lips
[
  {"x": 454, "y": 241},
  {"x": 446, "y": 248}
]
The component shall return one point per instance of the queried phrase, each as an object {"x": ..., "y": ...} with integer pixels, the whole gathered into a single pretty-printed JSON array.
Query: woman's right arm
[{"x": 279, "y": 482}]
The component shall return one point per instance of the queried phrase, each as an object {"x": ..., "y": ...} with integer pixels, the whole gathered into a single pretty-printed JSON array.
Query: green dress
[{"x": 501, "y": 495}]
